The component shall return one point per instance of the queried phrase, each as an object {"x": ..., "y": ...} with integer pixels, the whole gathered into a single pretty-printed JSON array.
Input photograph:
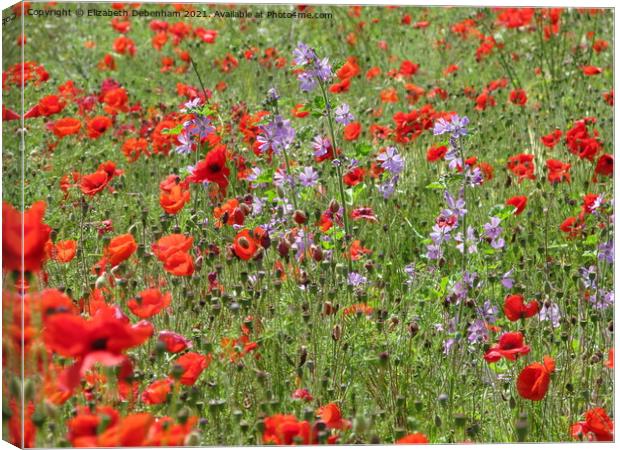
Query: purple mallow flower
[
  {"x": 308, "y": 177},
  {"x": 321, "y": 146},
  {"x": 355, "y": 279},
  {"x": 391, "y": 160},
  {"x": 457, "y": 126},
  {"x": 606, "y": 252},
  {"x": 186, "y": 144},
  {"x": 277, "y": 135},
  {"x": 342, "y": 114},
  {"x": 471, "y": 241},
  {"x": 550, "y": 313},
  {"x": 316, "y": 69},
  {"x": 493, "y": 231},
  {"x": 477, "y": 332}
]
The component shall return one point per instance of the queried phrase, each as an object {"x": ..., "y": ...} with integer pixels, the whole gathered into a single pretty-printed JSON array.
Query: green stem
[{"x": 339, "y": 166}]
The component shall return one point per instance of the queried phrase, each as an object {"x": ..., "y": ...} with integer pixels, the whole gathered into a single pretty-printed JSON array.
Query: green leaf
[
  {"x": 436, "y": 185},
  {"x": 363, "y": 149},
  {"x": 173, "y": 131}
]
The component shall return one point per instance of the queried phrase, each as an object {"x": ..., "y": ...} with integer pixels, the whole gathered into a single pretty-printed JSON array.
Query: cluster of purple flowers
[
  {"x": 342, "y": 114},
  {"x": 493, "y": 231},
  {"x": 394, "y": 164},
  {"x": 316, "y": 69},
  {"x": 277, "y": 135},
  {"x": 598, "y": 297}
]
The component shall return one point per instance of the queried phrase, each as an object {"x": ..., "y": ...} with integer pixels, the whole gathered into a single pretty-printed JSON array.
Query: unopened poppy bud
[
  {"x": 100, "y": 282},
  {"x": 459, "y": 420},
  {"x": 183, "y": 415},
  {"x": 334, "y": 206},
  {"x": 336, "y": 332},
  {"x": 328, "y": 308},
  {"x": 38, "y": 417},
  {"x": 512, "y": 403},
  {"x": 29, "y": 390},
  {"x": 438, "y": 421},
  {"x": 360, "y": 425},
  {"x": 384, "y": 357},
  {"x": 192, "y": 439},
  {"x": 300, "y": 217},
  {"x": 522, "y": 428},
  {"x": 317, "y": 253},
  {"x": 443, "y": 399},
  {"x": 177, "y": 371},
  {"x": 413, "y": 329},
  {"x": 283, "y": 248}
]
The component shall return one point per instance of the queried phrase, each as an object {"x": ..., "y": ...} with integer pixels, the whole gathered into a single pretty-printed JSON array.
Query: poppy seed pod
[
  {"x": 300, "y": 217},
  {"x": 336, "y": 332},
  {"x": 317, "y": 253},
  {"x": 334, "y": 206}
]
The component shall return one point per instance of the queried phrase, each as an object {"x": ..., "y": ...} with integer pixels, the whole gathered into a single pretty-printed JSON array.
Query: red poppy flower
[
  {"x": 516, "y": 309},
  {"x": 193, "y": 364},
  {"x": 115, "y": 100},
  {"x": 551, "y": 139},
  {"x": 571, "y": 226},
  {"x": 244, "y": 245},
  {"x": 180, "y": 264},
  {"x": 352, "y": 131},
  {"x": 120, "y": 249},
  {"x": 47, "y": 106},
  {"x": 597, "y": 426},
  {"x": 583, "y": 142},
  {"x": 408, "y": 68},
  {"x": 364, "y": 214},
  {"x": 168, "y": 245},
  {"x": 522, "y": 165},
  {"x": 230, "y": 213},
  {"x": 610, "y": 359},
  {"x": 591, "y": 70},
  {"x": 340, "y": 87},
  {"x": 30, "y": 244},
  {"x": 518, "y": 97},
  {"x": 510, "y": 346},
  {"x": 389, "y": 95},
  {"x": 124, "y": 46},
  {"x": 103, "y": 339},
  {"x": 413, "y": 438},
  {"x": 605, "y": 165},
  {"x": 212, "y": 168},
  {"x": 9, "y": 114},
  {"x": 174, "y": 342},
  {"x": 558, "y": 171},
  {"x": 172, "y": 202},
  {"x": 519, "y": 202},
  {"x": 94, "y": 183},
  {"x": 356, "y": 251},
  {"x": 436, "y": 153},
  {"x": 83, "y": 427},
  {"x": 331, "y": 415},
  {"x": 533, "y": 381},
  {"x": 284, "y": 429},
  {"x": 66, "y": 127},
  {"x": 134, "y": 147},
  {"x": 354, "y": 176},
  {"x": 349, "y": 69},
  {"x": 302, "y": 394},
  {"x": 97, "y": 126},
  {"x": 157, "y": 392},
  {"x": 149, "y": 302},
  {"x": 484, "y": 100},
  {"x": 372, "y": 73},
  {"x": 64, "y": 251},
  {"x": 132, "y": 431}
]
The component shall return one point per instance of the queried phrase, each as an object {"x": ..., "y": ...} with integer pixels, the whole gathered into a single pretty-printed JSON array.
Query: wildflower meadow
[{"x": 253, "y": 224}]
